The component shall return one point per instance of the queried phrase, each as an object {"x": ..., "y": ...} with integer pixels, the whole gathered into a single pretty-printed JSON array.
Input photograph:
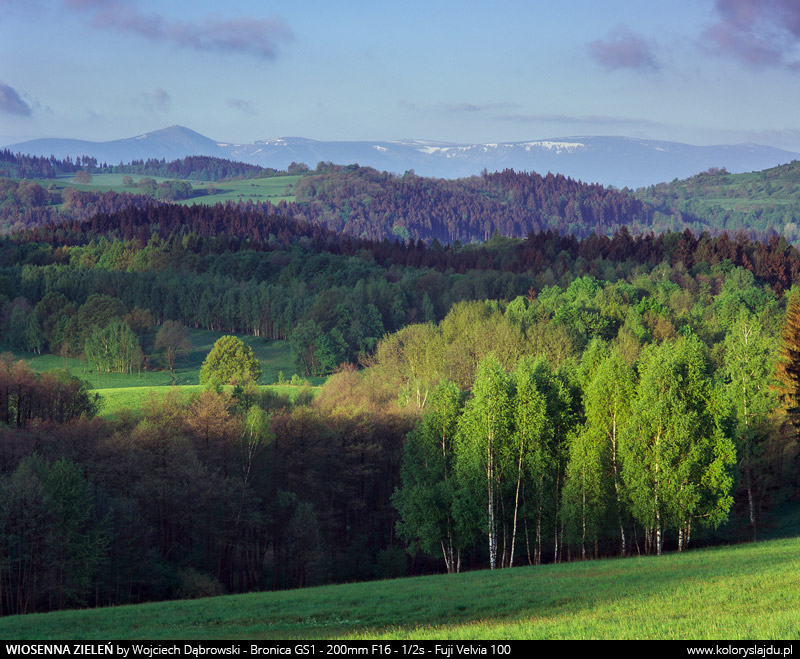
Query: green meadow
[
  {"x": 742, "y": 592},
  {"x": 275, "y": 358},
  {"x": 273, "y": 189},
  {"x": 118, "y": 399},
  {"x": 128, "y": 391}
]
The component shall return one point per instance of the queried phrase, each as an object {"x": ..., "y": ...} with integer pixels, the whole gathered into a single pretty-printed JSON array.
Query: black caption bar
[
  {"x": 334, "y": 649},
  {"x": 307, "y": 649}
]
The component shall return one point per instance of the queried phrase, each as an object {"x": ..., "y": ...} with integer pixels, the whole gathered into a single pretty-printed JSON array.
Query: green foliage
[
  {"x": 579, "y": 361},
  {"x": 607, "y": 402},
  {"x": 230, "y": 362},
  {"x": 677, "y": 458},
  {"x": 113, "y": 349},
  {"x": 484, "y": 431},
  {"x": 53, "y": 541},
  {"x": 765, "y": 200},
  {"x": 426, "y": 500},
  {"x": 585, "y": 489}
]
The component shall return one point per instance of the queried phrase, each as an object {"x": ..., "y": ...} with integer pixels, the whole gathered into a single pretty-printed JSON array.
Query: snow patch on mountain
[
  {"x": 557, "y": 147},
  {"x": 618, "y": 161}
]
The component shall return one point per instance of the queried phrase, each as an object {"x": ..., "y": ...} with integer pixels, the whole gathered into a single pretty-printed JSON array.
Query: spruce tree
[{"x": 788, "y": 369}]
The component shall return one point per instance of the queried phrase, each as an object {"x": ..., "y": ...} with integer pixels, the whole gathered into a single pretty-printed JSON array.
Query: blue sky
[{"x": 699, "y": 71}]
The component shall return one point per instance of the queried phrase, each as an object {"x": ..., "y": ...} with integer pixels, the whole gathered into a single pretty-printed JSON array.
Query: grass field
[
  {"x": 272, "y": 189},
  {"x": 121, "y": 391},
  {"x": 275, "y": 358},
  {"x": 115, "y": 400},
  {"x": 743, "y": 592}
]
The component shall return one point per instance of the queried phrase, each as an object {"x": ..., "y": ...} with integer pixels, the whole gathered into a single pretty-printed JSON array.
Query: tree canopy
[{"x": 230, "y": 362}]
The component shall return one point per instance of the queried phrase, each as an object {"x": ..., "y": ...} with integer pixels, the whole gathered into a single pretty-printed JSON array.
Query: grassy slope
[
  {"x": 120, "y": 391},
  {"x": 275, "y": 357},
  {"x": 272, "y": 189},
  {"x": 743, "y": 592},
  {"x": 115, "y": 400},
  {"x": 756, "y": 200}
]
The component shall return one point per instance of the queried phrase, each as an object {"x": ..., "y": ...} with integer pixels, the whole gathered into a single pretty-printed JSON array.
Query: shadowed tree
[
  {"x": 788, "y": 368},
  {"x": 427, "y": 497},
  {"x": 173, "y": 339}
]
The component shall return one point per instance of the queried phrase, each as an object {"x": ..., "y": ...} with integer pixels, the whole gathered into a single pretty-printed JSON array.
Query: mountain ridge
[{"x": 609, "y": 160}]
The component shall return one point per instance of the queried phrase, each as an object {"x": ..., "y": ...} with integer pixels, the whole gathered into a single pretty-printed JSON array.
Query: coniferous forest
[{"x": 520, "y": 369}]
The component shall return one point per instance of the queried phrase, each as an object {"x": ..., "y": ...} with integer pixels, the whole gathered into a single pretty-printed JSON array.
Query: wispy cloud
[
  {"x": 623, "y": 49},
  {"x": 476, "y": 107},
  {"x": 157, "y": 101},
  {"x": 245, "y": 107},
  {"x": 11, "y": 103},
  {"x": 259, "y": 38},
  {"x": 586, "y": 119},
  {"x": 761, "y": 33}
]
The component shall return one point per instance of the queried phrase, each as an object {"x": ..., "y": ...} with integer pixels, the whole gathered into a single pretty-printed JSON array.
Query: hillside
[
  {"x": 358, "y": 201},
  {"x": 744, "y": 592},
  {"x": 271, "y": 493},
  {"x": 369, "y": 204},
  {"x": 759, "y": 201}
]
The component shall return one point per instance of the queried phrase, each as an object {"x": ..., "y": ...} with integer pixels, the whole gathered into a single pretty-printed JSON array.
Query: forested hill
[
  {"x": 201, "y": 168},
  {"x": 756, "y": 202},
  {"x": 369, "y": 204},
  {"x": 364, "y": 202},
  {"x": 231, "y": 229}
]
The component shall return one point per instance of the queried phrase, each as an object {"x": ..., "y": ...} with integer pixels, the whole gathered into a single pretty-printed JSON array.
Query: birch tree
[
  {"x": 749, "y": 364},
  {"x": 426, "y": 500},
  {"x": 677, "y": 459},
  {"x": 483, "y": 432},
  {"x": 527, "y": 445},
  {"x": 607, "y": 404}
]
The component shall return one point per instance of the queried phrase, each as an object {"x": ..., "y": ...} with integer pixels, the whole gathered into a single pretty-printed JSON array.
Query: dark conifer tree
[{"x": 788, "y": 370}]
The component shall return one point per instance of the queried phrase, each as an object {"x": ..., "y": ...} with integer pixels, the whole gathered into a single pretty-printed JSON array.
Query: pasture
[
  {"x": 273, "y": 189},
  {"x": 738, "y": 592}
]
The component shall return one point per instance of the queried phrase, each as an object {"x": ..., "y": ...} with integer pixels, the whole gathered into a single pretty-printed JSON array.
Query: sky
[{"x": 695, "y": 71}]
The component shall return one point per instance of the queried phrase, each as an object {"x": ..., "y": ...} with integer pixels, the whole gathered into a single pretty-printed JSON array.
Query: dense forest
[
  {"x": 369, "y": 204},
  {"x": 202, "y": 168},
  {"x": 546, "y": 397}
]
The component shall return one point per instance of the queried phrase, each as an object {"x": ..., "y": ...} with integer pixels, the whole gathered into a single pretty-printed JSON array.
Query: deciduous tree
[
  {"x": 230, "y": 361},
  {"x": 173, "y": 339}
]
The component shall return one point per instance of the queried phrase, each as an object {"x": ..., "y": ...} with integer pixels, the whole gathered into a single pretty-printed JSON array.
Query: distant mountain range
[{"x": 618, "y": 161}]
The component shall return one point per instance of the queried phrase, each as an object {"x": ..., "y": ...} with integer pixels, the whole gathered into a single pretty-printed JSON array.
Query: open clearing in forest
[
  {"x": 273, "y": 189},
  {"x": 119, "y": 391}
]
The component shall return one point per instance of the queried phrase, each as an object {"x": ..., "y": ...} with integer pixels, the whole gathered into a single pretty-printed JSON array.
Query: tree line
[
  {"x": 332, "y": 296},
  {"x": 202, "y": 168}
]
